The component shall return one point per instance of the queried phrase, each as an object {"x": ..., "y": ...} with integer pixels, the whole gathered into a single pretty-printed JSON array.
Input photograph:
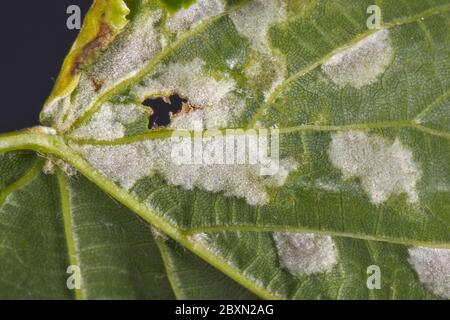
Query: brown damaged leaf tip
[{"x": 100, "y": 42}]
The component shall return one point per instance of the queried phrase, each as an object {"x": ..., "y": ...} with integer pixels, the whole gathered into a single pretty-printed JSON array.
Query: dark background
[{"x": 34, "y": 40}]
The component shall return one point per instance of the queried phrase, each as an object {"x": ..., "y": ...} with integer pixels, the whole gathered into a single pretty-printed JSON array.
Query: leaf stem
[
  {"x": 56, "y": 145},
  {"x": 53, "y": 144}
]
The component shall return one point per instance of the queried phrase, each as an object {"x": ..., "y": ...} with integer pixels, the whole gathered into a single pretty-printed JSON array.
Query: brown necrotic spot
[
  {"x": 100, "y": 42},
  {"x": 96, "y": 83},
  {"x": 164, "y": 108}
]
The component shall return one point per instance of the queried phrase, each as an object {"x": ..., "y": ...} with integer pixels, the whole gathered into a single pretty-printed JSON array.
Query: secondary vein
[
  {"x": 21, "y": 182},
  {"x": 281, "y": 88},
  {"x": 68, "y": 225}
]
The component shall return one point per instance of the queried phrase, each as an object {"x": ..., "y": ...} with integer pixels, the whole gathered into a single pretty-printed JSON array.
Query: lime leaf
[
  {"x": 63, "y": 238},
  {"x": 353, "y": 99},
  {"x": 103, "y": 21},
  {"x": 175, "y": 5}
]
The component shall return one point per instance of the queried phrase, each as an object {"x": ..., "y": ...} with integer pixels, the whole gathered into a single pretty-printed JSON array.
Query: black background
[
  {"x": 34, "y": 40},
  {"x": 297, "y": 310}
]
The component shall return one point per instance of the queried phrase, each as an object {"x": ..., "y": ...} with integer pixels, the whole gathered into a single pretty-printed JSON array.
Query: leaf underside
[{"x": 135, "y": 233}]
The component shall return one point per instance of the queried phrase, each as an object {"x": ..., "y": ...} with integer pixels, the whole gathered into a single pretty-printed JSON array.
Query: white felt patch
[
  {"x": 254, "y": 19},
  {"x": 214, "y": 98},
  {"x": 185, "y": 19},
  {"x": 384, "y": 168},
  {"x": 109, "y": 122},
  {"x": 128, "y": 163},
  {"x": 305, "y": 253},
  {"x": 362, "y": 63},
  {"x": 268, "y": 70},
  {"x": 132, "y": 48},
  {"x": 433, "y": 268}
]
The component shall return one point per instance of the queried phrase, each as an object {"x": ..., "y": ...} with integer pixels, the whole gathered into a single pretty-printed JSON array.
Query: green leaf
[
  {"x": 192, "y": 278},
  {"x": 49, "y": 223},
  {"x": 175, "y": 5},
  {"x": 103, "y": 21},
  {"x": 255, "y": 255},
  {"x": 363, "y": 121}
]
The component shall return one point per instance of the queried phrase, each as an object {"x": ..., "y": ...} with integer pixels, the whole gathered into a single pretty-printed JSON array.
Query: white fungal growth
[
  {"x": 305, "y": 253},
  {"x": 200, "y": 239},
  {"x": 73, "y": 107},
  {"x": 43, "y": 130},
  {"x": 217, "y": 105},
  {"x": 266, "y": 70},
  {"x": 433, "y": 268},
  {"x": 232, "y": 63},
  {"x": 362, "y": 63},
  {"x": 109, "y": 122},
  {"x": 128, "y": 163},
  {"x": 159, "y": 234},
  {"x": 48, "y": 167},
  {"x": 185, "y": 19},
  {"x": 327, "y": 186},
  {"x": 51, "y": 164},
  {"x": 220, "y": 115},
  {"x": 384, "y": 168},
  {"x": 237, "y": 60},
  {"x": 280, "y": 75},
  {"x": 254, "y": 19},
  {"x": 187, "y": 80},
  {"x": 132, "y": 48},
  {"x": 55, "y": 109}
]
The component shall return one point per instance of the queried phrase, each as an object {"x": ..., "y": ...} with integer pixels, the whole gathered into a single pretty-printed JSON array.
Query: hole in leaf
[{"x": 164, "y": 108}]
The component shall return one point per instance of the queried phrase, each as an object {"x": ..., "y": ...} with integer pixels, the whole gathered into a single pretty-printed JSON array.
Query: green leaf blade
[{"x": 362, "y": 117}]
